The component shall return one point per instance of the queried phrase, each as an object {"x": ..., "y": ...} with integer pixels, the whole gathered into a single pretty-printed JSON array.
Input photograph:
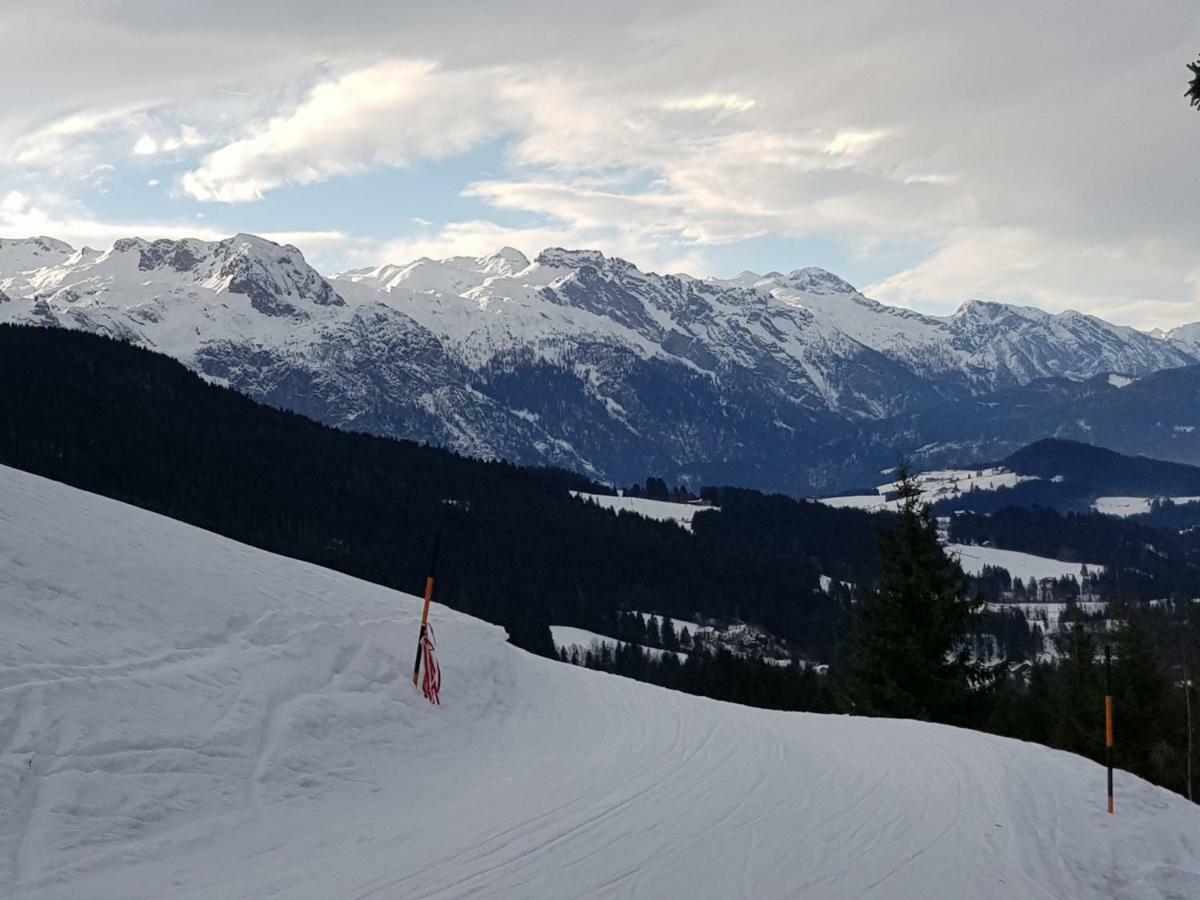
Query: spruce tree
[
  {"x": 910, "y": 654},
  {"x": 1152, "y": 732},
  {"x": 1193, "y": 92},
  {"x": 670, "y": 640},
  {"x": 1076, "y": 714},
  {"x": 653, "y": 635}
]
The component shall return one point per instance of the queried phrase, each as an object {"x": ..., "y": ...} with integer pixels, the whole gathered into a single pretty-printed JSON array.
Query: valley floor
[{"x": 185, "y": 716}]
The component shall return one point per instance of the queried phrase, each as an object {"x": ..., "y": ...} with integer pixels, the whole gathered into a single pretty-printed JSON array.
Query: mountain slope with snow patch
[{"x": 185, "y": 716}]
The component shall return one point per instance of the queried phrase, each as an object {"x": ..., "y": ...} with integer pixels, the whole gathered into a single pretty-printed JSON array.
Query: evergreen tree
[
  {"x": 653, "y": 635},
  {"x": 656, "y": 489},
  {"x": 1076, "y": 718},
  {"x": 1148, "y": 716},
  {"x": 1193, "y": 92},
  {"x": 670, "y": 640},
  {"x": 909, "y": 653}
]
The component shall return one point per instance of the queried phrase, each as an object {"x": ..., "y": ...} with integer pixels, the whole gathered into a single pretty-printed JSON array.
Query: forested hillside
[{"x": 517, "y": 549}]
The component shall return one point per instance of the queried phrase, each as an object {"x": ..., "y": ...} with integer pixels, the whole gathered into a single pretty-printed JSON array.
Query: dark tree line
[
  {"x": 721, "y": 676},
  {"x": 517, "y": 549},
  {"x": 1141, "y": 562}
]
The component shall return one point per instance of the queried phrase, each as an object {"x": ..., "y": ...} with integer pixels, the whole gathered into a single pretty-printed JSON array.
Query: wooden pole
[
  {"x": 1108, "y": 723},
  {"x": 437, "y": 540}
]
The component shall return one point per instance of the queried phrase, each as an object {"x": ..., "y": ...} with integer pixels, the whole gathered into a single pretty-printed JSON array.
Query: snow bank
[
  {"x": 973, "y": 558},
  {"x": 183, "y": 716}
]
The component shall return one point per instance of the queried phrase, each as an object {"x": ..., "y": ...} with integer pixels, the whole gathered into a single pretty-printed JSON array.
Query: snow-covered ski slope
[{"x": 184, "y": 716}]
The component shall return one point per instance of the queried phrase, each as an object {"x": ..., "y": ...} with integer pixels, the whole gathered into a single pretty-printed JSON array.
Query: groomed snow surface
[{"x": 184, "y": 716}]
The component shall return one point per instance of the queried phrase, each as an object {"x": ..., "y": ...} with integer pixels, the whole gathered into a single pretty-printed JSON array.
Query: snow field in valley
[
  {"x": 662, "y": 510},
  {"x": 568, "y": 637},
  {"x": 184, "y": 716},
  {"x": 939, "y": 484},
  {"x": 973, "y": 558},
  {"x": 1123, "y": 507}
]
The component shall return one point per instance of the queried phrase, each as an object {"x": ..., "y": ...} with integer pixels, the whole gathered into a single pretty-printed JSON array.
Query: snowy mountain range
[{"x": 573, "y": 358}]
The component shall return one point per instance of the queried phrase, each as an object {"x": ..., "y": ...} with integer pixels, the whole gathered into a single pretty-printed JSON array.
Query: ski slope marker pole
[
  {"x": 437, "y": 539},
  {"x": 1108, "y": 724}
]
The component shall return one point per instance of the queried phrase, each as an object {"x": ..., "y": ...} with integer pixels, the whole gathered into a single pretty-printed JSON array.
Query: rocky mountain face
[{"x": 574, "y": 358}]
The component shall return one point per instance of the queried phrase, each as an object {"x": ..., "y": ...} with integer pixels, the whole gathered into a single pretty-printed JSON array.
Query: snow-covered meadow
[
  {"x": 973, "y": 558},
  {"x": 935, "y": 485},
  {"x": 184, "y": 716},
  {"x": 661, "y": 510},
  {"x": 1123, "y": 507},
  {"x": 568, "y": 637}
]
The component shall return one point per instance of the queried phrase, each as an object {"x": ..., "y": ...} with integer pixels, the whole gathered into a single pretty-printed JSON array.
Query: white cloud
[
  {"x": 22, "y": 215},
  {"x": 66, "y": 144},
  {"x": 388, "y": 114},
  {"x": 707, "y": 102},
  {"x": 854, "y": 143},
  {"x": 1036, "y": 153},
  {"x": 187, "y": 136},
  {"x": 1131, "y": 285}
]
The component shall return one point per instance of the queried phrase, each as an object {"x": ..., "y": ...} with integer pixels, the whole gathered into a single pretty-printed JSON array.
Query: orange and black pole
[
  {"x": 437, "y": 540},
  {"x": 1108, "y": 723}
]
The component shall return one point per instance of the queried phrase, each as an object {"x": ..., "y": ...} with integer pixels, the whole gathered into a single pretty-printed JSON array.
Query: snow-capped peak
[
  {"x": 170, "y": 280},
  {"x": 745, "y": 279},
  {"x": 1187, "y": 336},
  {"x": 813, "y": 280},
  {"x": 455, "y": 275},
  {"x": 27, "y": 254},
  {"x": 993, "y": 309},
  {"x": 513, "y": 256}
]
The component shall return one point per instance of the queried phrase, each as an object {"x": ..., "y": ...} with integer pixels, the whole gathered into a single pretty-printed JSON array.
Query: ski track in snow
[{"x": 184, "y": 716}]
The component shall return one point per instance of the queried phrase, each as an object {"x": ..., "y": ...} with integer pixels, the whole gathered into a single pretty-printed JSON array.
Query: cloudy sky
[{"x": 929, "y": 152}]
